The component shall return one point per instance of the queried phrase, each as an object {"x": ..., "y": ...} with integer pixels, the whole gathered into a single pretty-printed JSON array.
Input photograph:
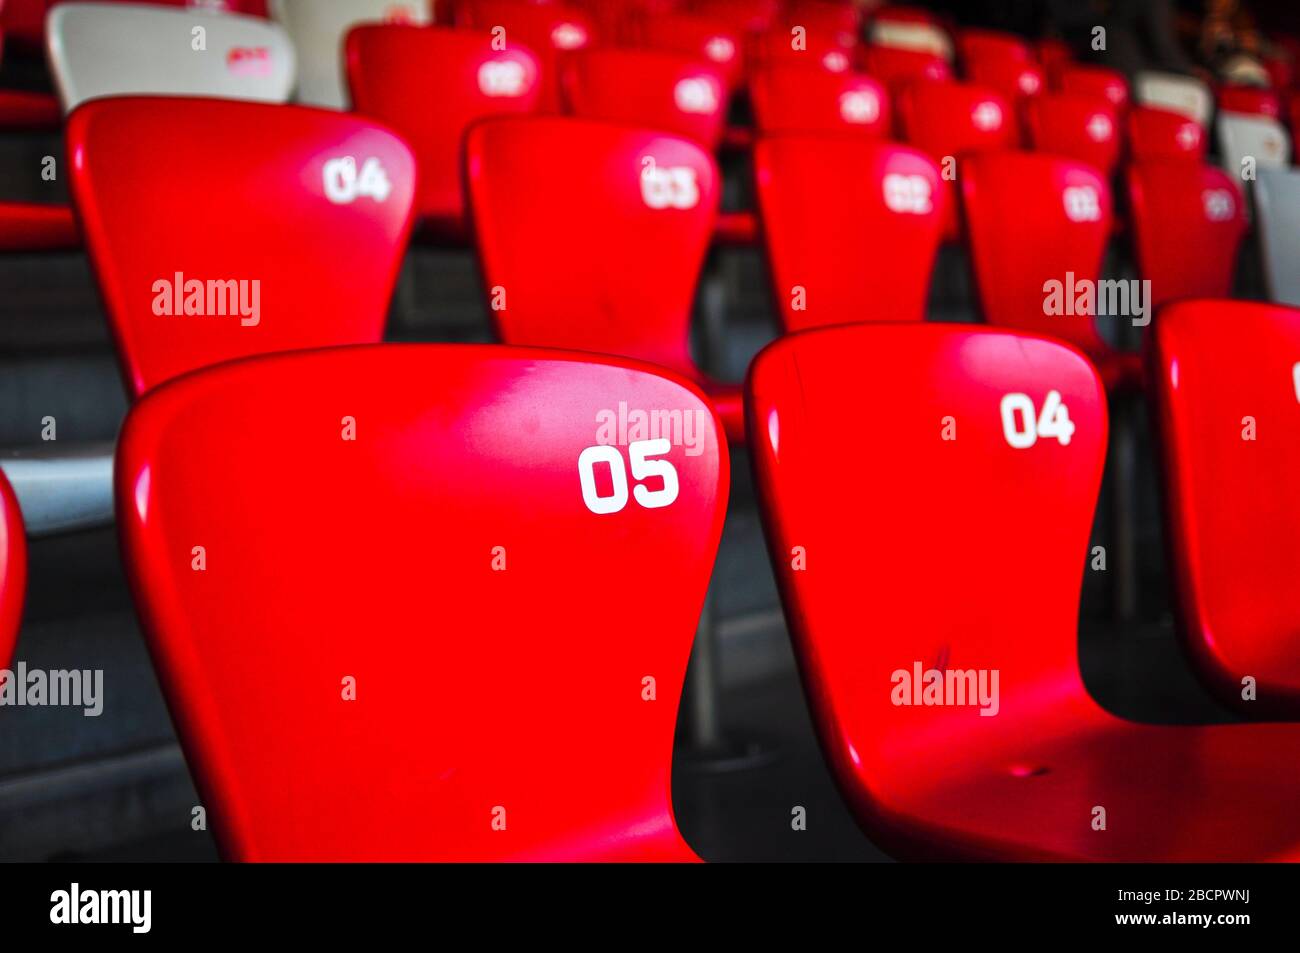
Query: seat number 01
[
  {"x": 640, "y": 454},
  {"x": 1022, "y": 425}
]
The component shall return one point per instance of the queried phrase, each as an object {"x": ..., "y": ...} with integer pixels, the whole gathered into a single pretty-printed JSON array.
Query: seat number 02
[
  {"x": 640, "y": 456},
  {"x": 1022, "y": 425}
]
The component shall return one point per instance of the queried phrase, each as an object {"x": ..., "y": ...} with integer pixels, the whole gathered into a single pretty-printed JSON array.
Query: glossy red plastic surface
[
  {"x": 591, "y": 236},
  {"x": 1032, "y": 219},
  {"x": 217, "y": 191},
  {"x": 706, "y": 40},
  {"x": 549, "y": 31},
  {"x": 520, "y": 687},
  {"x": 1164, "y": 134},
  {"x": 13, "y": 570},
  {"x": 852, "y": 228},
  {"x": 1234, "y": 514},
  {"x": 1250, "y": 100},
  {"x": 1077, "y": 126},
  {"x": 1086, "y": 80},
  {"x": 1015, "y": 80},
  {"x": 430, "y": 84},
  {"x": 33, "y": 226},
  {"x": 1006, "y": 530},
  {"x": 978, "y": 45},
  {"x": 895, "y": 67},
  {"x": 1188, "y": 222},
  {"x": 677, "y": 94},
  {"x": 800, "y": 99}
]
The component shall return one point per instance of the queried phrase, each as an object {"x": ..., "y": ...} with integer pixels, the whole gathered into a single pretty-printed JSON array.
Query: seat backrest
[
  {"x": 896, "y": 67},
  {"x": 1234, "y": 515},
  {"x": 1092, "y": 81},
  {"x": 1181, "y": 94},
  {"x": 460, "y": 560},
  {"x": 430, "y": 84},
  {"x": 1014, "y": 80},
  {"x": 978, "y": 45},
  {"x": 219, "y": 229},
  {"x": 1188, "y": 222},
  {"x": 1259, "y": 138},
  {"x": 13, "y": 570},
  {"x": 1036, "y": 219},
  {"x": 701, "y": 38},
  {"x": 656, "y": 90},
  {"x": 852, "y": 228},
  {"x": 953, "y": 119},
  {"x": 810, "y": 100},
  {"x": 798, "y": 45},
  {"x": 125, "y": 49},
  {"x": 549, "y": 31},
  {"x": 318, "y": 29},
  {"x": 1078, "y": 126},
  {"x": 591, "y": 235},
  {"x": 1250, "y": 100},
  {"x": 1164, "y": 134},
  {"x": 887, "y": 457},
  {"x": 1277, "y": 203}
]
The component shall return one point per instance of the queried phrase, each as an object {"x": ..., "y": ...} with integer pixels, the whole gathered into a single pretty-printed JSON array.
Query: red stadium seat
[
  {"x": 451, "y": 518},
  {"x": 13, "y": 570},
  {"x": 708, "y": 41},
  {"x": 949, "y": 120},
  {"x": 1188, "y": 223},
  {"x": 852, "y": 228},
  {"x": 1251, "y": 100},
  {"x": 430, "y": 84},
  {"x": 1108, "y": 84},
  {"x": 1077, "y": 126},
  {"x": 747, "y": 16},
  {"x": 897, "y": 67},
  {"x": 1033, "y": 219},
  {"x": 187, "y": 204},
  {"x": 800, "y": 99},
  {"x": 1015, "y": 80},
  {"x": 1027, "y": 767},
  {"x": 1053, "y": 54},
  {"x": 678, "y": 94},
  {"x": 1164, "y": 134},
  {"x": 591, "y": 236},
  {"x": 549, "y": 31},
  {"x": 976, "y": 46},
  {"x": 779, "y": 47},
  {"x": 1232, "y": 507}
]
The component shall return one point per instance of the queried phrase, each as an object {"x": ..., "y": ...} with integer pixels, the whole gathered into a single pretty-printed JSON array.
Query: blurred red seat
[
  {"x": 549, "y": 31},
  {"x": 420, "y": 670},
  {"x": 1164, "y": 134},
  {"x": 707, "y": 40},
  {"x": 976, "y": 46},
  {"x": 591, "y": 236},
  {"x": 1077, "y": 126},
  {"x": 13, "y": 570},
  {"x": 1232, "y": 508},
  {"x": 955, "y": 720},
  {"x": 430, "y": 84},
  {"x": 190, "y": 207},
  {"x": 800, "y": 99},
  {"x": 1087, "y": 80},
  {"x": 851, "y": 227},
  {"x": 1251, "y": 100},
  {"x": 896, "y": 67},
  {"x": 1188, "y": 222}
]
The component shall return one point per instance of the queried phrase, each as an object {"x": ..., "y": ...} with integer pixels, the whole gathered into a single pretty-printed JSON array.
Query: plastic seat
[
  {"x": 702, "y": 38},
  {"x": 1017, "y": 81},
  {"x": 1232, "y": 508},
  {"x": 1004, "y": 522},
  {"x": 13, "y": 571},
  {"x": 1077, "y": 126},
  {"x": 657, "y": 90},
  {"x": 852, "y": 228},
  {"x": 1250, "y": 100},
  {"x": 1173, "y": 91},
  {"x": 549, "y": 31},
  {"x": 1088, "y": 80},
  {"x": 319, "y": 29},
  {"x": 1164, "y": 134},
  {"x": 591, "y": 237},
  {"x": 976, "y": 45},
  {"x": 187, "y": 204},
  {"x": 948, "y": 120},
  {"x": 123, "y": 49},
  {"x": 791, "y": 42},
  {"x": 504, "y": 463},
  {"x": 895, "y": 67},
  {"x": 1188, "y": 223},
  {"x": 1263, "y": 139},
  {"x": 800, "y": 99},
  {"x": 1277, "y": 205},
  {"x": 1032, "y": 219},
  {"x": 430, "y": 85}
]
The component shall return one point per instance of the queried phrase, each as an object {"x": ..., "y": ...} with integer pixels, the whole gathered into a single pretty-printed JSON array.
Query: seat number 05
[
  {"x": 1022, "y": 425},
  {"x": 640, "y": 455}
]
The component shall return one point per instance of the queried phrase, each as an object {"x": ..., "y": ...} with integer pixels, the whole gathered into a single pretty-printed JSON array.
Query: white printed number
[
  {"x": 643, "y": 468},
  {"x": 344, "y": 184},
  {"x": 669, "y": 187},
  {"x": 908, "y": 194},
  {"x": 1022, "y": 429},
  {"x": 502, "y": 78},
  {"x": 1082, "y": 204}
]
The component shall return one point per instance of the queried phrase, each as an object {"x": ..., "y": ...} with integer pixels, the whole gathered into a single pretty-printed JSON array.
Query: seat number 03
[
  {"x": 1022, "y": 425},
  {"x": 641, "y": 454}
]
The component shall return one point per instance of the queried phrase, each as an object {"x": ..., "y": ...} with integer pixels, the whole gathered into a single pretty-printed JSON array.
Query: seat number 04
[
  {"x": 640, "y": 455},
  {"x": 1022, "y": 425}
]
